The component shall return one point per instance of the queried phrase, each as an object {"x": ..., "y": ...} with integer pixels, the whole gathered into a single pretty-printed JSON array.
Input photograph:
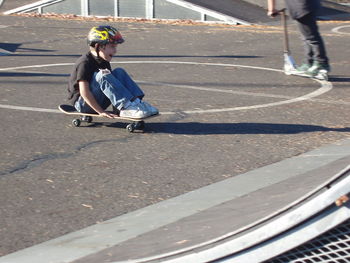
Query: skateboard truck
[{"x": 77, "y": 122}]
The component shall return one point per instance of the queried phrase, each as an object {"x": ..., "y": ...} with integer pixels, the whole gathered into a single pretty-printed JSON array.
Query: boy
[
  {"x": 304, "y": 12},
  {"x": 93, "y": 86}
]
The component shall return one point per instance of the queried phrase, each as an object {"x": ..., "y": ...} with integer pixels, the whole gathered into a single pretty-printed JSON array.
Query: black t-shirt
[{"x": 84, "y": 69}]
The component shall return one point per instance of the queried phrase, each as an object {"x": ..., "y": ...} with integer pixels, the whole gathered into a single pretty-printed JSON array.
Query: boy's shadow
[{"x": 197, "y": 128}]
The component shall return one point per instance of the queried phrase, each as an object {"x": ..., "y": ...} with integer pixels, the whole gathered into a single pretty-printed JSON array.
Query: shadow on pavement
[
  {"x": 31, "y": 74},
  {"x": 339, "y": 79},
  {"x": 197, "y": 128}
]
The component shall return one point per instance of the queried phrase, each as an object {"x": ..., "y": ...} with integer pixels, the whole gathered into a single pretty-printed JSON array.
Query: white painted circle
[
  {"x": 325, "y": 86},
  {"x": 339, "y": 28}
]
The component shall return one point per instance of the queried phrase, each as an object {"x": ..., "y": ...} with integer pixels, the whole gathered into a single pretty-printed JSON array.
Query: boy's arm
[
  {"x": 271, "y": 7},
  {"x": 90, "y": 99}
]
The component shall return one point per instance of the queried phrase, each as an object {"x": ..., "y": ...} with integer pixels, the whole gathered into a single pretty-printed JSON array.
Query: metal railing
[{"x": 149, "y": 9}]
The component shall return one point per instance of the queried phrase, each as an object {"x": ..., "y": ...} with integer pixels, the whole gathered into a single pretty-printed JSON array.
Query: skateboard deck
[{"x": 88, "y": 118}]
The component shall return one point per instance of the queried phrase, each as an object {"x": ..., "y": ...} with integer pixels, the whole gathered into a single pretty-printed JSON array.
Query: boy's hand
[
  {"x": 108, "y": 115},
  {"x": 272, "y": 13},
  {"x": 271, "y": 8}
]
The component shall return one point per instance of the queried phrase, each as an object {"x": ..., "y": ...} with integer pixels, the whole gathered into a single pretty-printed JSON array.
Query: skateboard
[{"x": 135, "y": 124}]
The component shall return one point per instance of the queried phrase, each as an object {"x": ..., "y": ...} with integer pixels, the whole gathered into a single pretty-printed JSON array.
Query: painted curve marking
[{"x": 325, "y": 87}]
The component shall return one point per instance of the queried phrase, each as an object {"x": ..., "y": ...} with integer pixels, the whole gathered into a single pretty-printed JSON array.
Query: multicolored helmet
[{"x": 103, "y": 35}]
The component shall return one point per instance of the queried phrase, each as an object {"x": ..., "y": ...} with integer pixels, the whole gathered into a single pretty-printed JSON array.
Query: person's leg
[
  {"x": 118, "y": 94},
  {"x": 124, "y": 94},
  {"x": 108, "y": 90},
  {"x": 314, "y": 46},
  {"x": 123, "y": 77},
  {"x": 127, "y": 81}
]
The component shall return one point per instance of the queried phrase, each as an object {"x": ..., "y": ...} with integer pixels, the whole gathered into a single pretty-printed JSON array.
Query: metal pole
[
  {"x": 285, "y": 30},
  {"x": 149, "y": 9},
  {"x": 116, "y": 8}
]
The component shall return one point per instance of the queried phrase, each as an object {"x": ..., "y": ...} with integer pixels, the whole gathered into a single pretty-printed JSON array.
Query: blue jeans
[{"x": 115, "y": 88}]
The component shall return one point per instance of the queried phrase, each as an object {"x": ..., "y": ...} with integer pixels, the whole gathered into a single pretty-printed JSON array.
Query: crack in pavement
[{"x": 38, "y": 160}]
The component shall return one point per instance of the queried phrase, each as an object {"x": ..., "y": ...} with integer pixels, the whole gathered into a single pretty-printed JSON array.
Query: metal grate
[{"x": 332, "y": 247}]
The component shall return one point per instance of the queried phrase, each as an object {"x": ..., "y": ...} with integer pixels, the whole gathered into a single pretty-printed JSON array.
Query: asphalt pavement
[{"x": 227, "y": 111}]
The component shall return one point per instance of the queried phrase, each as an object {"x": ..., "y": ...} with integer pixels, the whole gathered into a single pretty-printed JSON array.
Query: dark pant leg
[{"x": 314, "y": 46}]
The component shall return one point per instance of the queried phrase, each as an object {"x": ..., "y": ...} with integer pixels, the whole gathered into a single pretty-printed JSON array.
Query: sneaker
[
  {"x": 318, "y": 68},
  {"x": 134, "y": 110},
  {"x": 150, "y": 108},
  {"x": 303, "y": 69}
]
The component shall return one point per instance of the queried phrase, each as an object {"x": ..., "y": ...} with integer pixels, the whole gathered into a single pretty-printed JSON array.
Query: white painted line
[
  {"x": 235, "y": 92},
  {"x": 337, "y": 30},
  {"x": 37, "y": 66},
  {"x": 147, "y": 62},
  {"x": 244, "y": 93},
  {"x": 12, "y": 107},
  {"x": 195, "y": 63},
  {"x": 325, "y": 87}
]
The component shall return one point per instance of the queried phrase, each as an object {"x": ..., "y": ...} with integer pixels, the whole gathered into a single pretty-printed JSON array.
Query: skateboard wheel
[
  {"x": 130, "y": 127},
  {"x": 76, "y": 122}
]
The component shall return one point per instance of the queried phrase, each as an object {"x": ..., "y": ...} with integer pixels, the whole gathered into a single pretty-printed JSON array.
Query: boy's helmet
[{"x": 103, "y": 35}]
